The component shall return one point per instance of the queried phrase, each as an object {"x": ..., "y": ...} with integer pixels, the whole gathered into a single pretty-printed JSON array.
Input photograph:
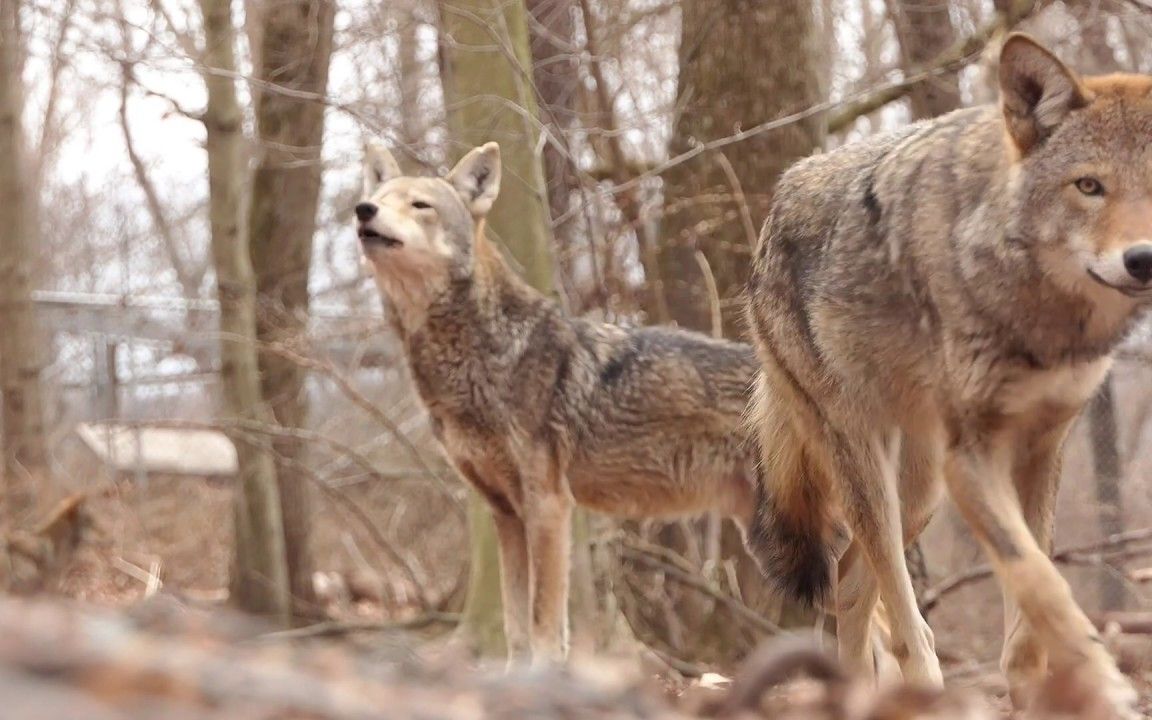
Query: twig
[
  {"x": 656, "y": 559},
  {"x": 357, "y": 398},
  {"x": 369, "y": 527},
  {"x": 851, "y": 107},
  {"x": 1092, "y": 553},
  {"x": 331, "y": 628},
  {"x": 150, "y": 578},
  {"x": 713, "y": 295},
  {"x": 952, "y": 58},
  {"x": 740, "y": 198}
]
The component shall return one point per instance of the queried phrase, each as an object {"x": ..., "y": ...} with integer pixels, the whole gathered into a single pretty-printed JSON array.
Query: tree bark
[
  {"x": 296, "y": 49},
  {"x": 925, "y": 30},
  {"x": 485, "y": 66},
  {"x": 259, "y": 572},
  {"x": 709, "y": 207},
  {"x": 555, "y": 72},
  {"x": 21, "y": 362}
]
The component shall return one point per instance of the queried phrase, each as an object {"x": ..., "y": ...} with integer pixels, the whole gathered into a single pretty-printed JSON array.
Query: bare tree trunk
[
  {"x": 413, "y": 111},
  {"x": 482, "y": 620},
  {"x": 485, "y": 65},
  {"x": 1106, "y": 463},
  {"x": 259, "y": 573},
  {"x": 1098, "y": 56},
  {"x": 25, "y": 452},
  {"x": 925, "y": 30},
  {"x": 296, "y": 49},
  {"x": 709, "y": 207},
  {"x": 555, "y": 71}
]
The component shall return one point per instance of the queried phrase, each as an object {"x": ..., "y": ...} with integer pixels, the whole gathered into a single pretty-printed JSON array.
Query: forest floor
[{"x": 162, "y": 563}]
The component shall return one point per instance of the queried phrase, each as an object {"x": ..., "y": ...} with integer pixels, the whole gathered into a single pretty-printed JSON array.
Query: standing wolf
[
  {"x": 934, "y": 307},
  {"x": 538, "y": 410}
]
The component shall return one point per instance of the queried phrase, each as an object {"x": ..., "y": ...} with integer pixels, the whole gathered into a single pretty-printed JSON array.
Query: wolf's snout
[
  {"x": 365, "y": 211},
  {"x": 1138, "y": 261}
]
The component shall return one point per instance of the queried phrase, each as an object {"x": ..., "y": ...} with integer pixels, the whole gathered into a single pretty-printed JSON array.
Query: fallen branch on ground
[
  {"x": 1095, "y": 553},
  {"x": 336, "y": 628}
]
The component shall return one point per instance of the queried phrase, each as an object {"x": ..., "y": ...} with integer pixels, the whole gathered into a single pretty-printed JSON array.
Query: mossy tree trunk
[
  {"x": 259, "y": 581},
  {"x": 21, "y": 358}
]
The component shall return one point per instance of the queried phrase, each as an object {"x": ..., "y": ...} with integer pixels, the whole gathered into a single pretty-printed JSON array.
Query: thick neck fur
[
  {"x": 475, "y": 335},
  {"x": 411, "y": 293}
]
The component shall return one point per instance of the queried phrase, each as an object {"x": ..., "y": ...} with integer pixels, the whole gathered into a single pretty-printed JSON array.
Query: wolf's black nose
[
  {"x": 365, "y": 211},
  {"x": 1138, "y": 261}
]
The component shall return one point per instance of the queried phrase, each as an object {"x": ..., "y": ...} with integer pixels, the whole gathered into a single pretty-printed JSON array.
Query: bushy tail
[{"x": 791, "y": 530}]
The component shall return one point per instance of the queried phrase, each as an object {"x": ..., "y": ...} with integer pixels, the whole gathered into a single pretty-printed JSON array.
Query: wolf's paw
[
  {"x": 1095, "y": 693},
  {"x": 1119, "y": 696}
]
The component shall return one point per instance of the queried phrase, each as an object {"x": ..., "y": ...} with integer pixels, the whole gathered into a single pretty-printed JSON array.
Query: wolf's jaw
[
  {"x": 368, "y": 236},
  {"x": 1136, "y": 293}
]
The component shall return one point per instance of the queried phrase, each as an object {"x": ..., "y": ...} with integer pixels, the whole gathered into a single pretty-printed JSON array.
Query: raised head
[
  {"x": 418, "y": 233},
  {"x": 1082, "y": 180}
]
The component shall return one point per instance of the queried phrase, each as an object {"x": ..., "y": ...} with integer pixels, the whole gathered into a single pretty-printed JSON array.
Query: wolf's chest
[{"x": 1068, "y": 386}]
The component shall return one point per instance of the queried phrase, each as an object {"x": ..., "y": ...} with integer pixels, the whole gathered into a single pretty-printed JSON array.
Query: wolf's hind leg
[
  {"x": 979, "y": 477},
  {"x": 866, "y": 469},
  {"x": 862, "y": 641}
]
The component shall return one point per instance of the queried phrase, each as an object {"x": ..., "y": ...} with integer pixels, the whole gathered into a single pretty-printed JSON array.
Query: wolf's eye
[
  {"x": 1089, "y": 186},
  {"x": 420, "y": 205}
]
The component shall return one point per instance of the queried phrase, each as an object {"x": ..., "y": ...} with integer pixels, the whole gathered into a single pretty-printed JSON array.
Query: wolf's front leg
[
  {"x": 1036, "y": 474},
  {"x": 548, "y": 519},
  {"x": 980, "y": 480},
  {"x": 514, "y": 579}
]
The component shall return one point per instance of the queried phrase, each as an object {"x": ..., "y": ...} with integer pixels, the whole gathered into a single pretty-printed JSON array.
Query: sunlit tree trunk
[
  {"x": 296, "y": 49},
  {"x": 259, "y": 580},
  {"x": 21, "y": 361},
  {"x": 486, "y": 71}
]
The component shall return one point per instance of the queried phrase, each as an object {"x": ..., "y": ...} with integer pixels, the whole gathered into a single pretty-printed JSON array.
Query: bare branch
[
  {"x": 664, "y": 560},
  {"x": 1093, "y": 553}
]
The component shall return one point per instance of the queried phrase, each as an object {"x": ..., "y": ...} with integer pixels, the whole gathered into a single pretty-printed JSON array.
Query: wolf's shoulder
[{"x": 847, "y": 162}]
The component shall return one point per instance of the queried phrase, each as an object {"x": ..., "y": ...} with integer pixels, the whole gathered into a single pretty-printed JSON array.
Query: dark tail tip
[{"x": 792, "y": 555}]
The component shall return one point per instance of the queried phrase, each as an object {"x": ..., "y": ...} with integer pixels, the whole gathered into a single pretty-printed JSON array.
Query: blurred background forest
[{"x": 188, "y": 338}]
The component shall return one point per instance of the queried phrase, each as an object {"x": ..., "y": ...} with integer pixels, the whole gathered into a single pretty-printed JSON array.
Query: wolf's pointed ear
[
  {"x": 1036, "y": 89},
  {"x": 477, "y": 178},
  {"x": 379, "y": 166}
]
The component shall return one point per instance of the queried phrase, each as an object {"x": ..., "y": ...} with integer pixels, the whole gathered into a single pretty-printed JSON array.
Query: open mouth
[
  {"x": 368, "y": 236},
  {"x": 1143, "y": 291}
]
